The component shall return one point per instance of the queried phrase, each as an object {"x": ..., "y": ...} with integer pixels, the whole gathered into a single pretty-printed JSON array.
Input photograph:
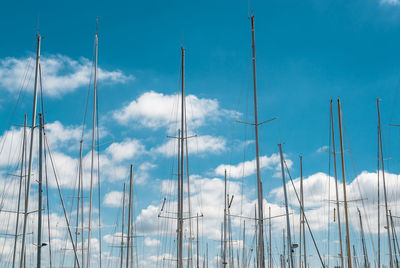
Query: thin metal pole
[
  {"x": 40, "y": 198},
  {"x": 301, "y": 208},
  {"x": 77, "y": 205},
  {"x": 198, "y": 261},
  {"x": 365, "y": 253},
  {"x": 122, "y": 231},
  {"x": 395, "y": 244},
  {"x": 349, "y": 264},
  {"x": 270, "y": 237},
  {"x": 336, "y": 188},
  {"x": 82, "y": 211},
  {"x": 289, "y": 239},
  {"x": 28, "y": 182},
  {"x": 244, "y": 261},
  {"x": 384, "y": 185},
  {"x": 224, "y": 239},
  {"x": 231, "y": 254},
  {"x": 178, "y": 237},
  {"x": 19, "y": 191},
  {"x": 259, "y": 188},
  {"x": 207, "y": 255},
  {"x": 129, "y": 216},
  {"x": 131, "y": 227},
  {"x": 255, "y": 235},
  {"x": 180, "y": 212},
  {"x": 93, "y": 151},
  {"x": 379, "y": 205},
  {"x": 303, "y": 215}
]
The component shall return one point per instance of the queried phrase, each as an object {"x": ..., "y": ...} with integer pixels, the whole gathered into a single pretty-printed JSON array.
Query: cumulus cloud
[
  {"x": 247, "y": 168},
  {"x": 196, "y": 145},
  {"x": 60, "y": 73},
  {"x": 126, "y": 149},
  {"x": 156, "y": 110},
  {"x": 207, "y": 199},
  {"x": 113, "y": 199}
]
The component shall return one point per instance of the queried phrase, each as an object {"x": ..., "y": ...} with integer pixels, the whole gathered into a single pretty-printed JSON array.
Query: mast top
[{"x": 97, "y": 25}]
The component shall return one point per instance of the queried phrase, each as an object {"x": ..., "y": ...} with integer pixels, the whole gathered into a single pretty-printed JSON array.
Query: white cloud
[
  {"x": 156, "y": 110},
  {"x": 113, "y": 199},
  {"x": 125, "y": 150},
  {"x": 196, "y": 145},
  {"x": 207, "y": 198},
  {"x": 323, "y": 149},
  {"x": 61, "y": 74},
  {"x": 248, "y": 168}
]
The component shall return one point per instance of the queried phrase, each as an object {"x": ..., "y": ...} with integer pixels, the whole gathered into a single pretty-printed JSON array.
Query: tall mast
[
  {"x": 93, "y": 148},
  {"x": 379, "y": 206},
  {"x": 384, "y": 184},
  {"x": 28, "y": 182},
  {"x": 270, "y": 238},
  {"x": 197, "y": 245},
  {"x": 78, "y": 202},
  {"x": 207, "y": 255},
  {"x": 244, "y": 261},
  {"x": 259, "y": 187},
  {"x": 224, "y": 262},
  {"x": 303, "y": 230},
  {"x": 180, "y": 178},
  {"x": 289, "y": 239},
  {"x": 349, "y": 264},
  {"x": 82, "y": 211},
  {"x": 256, "y": 260},
  {"x": 19, "y": 191},
  {"x": 39, "y": 234},
  {"x": 231, "y": 254},
  {"x": 365, "y": 253},
  {"x": 122, "y": 231},
  {"x": 129, "y": 216},
  {"x": 395, "y": 242},
  {"x": 336, "y": 187}
]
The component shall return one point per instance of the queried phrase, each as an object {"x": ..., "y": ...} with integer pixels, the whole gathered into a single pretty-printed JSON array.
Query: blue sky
[{"x": 308, "y": 52}]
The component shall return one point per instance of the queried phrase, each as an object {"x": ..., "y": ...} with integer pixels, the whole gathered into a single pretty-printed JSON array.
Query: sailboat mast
[
  {"x": 82, "y": 212},
  {"x": 40, "y": 189},
  {"x": 181, "y": 152},
  {"x": 122, "y": 229},
  {"x": 365, "y": 253},
  {"x": 394, "y": 238},
  {"x": 384, "y": 184},
  {"x": 270, "y": 238},
  {"x": 129, "y": 216},
  {"x": 336, "y": 187},
  {"x": 93, "y": 150},
  {"x": 30, "y": 160},
  {"x": 289, "y": 239},
  {"x": 78, "y": 204},
  {"x": 197, "y": 245},
  {"x": 19, "y": 191},
  {"x": 346, "y": 214},
  {"x": 379, "y": 205},
  {"x": 224, "y": 262},
  {"x": 302, "y": 216},
  {"x": 244, "y": 261},
  {"x": 259, "y": 187}
]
